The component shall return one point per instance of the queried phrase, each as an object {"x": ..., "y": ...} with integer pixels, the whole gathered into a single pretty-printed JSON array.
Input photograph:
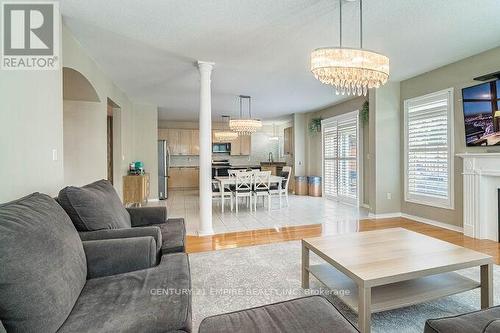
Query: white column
[{"x": 205, "y": 226}]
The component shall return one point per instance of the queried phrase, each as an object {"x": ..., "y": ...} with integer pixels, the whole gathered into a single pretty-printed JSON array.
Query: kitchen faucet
[{"x": 271, "y": 159}]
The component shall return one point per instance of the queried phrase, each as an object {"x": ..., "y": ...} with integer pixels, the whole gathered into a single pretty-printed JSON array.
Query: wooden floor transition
[{"x": 265, "y": 236}]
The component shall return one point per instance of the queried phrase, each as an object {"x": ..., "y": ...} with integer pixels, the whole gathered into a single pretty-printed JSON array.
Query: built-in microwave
[{"x": 221, "y": 148}]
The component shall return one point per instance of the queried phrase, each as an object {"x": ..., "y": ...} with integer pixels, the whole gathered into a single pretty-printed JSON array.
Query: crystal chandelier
[
  {"x": 351, "y": 71},
  {"x": 225, "y": 135},
  {"x": 245, "y": 126}
]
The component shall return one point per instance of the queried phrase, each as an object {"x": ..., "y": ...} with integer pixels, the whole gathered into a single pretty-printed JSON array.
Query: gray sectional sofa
[
  {"x": 97, "y": 213},
  {"x": 51, "y": 280}
]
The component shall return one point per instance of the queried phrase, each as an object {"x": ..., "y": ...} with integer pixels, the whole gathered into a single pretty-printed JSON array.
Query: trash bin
[
  {"x": 301, "y": 185},
  {"x": 314, "y": 186}
]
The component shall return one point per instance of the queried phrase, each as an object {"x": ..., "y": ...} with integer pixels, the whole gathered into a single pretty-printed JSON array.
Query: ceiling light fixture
[
  {"x": 225, "y": 134},
  {"x": 350, "y": 70},
  {"x": 245, "y": 126}
]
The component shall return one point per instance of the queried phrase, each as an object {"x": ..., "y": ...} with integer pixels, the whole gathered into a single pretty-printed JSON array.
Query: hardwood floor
[{"x": 256, "y": 237}]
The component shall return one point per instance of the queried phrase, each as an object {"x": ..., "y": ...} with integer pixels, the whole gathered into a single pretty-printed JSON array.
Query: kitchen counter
[
  {"x": 243, "y": 166},
  {"x": 273, "y": 164}
]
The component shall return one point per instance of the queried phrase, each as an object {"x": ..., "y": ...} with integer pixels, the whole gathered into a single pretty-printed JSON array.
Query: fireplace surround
[{"x": 481, "y": 195}]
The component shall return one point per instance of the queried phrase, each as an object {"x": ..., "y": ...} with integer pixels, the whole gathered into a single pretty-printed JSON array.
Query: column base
[{"x": 206, "y": 232}]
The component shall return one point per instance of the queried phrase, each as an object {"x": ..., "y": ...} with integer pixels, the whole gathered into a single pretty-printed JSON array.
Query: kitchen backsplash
[{"x": 261, "y": 146}]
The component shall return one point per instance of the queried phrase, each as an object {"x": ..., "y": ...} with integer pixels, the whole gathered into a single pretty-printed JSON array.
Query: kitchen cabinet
[
  {"x": 185, "y": 142},
  {"x": 288, "y": 141},
  {"x": 245, "y": 145},
  {"x": 195, "y": 143},
  {"x": 183, "y": 177},
  {"x": 181, "y": 141},
  {"x": 241, "y": 146}
]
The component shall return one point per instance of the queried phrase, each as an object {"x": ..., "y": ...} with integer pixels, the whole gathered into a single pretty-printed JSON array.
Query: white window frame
[
  {"x": 427, "y": 200},
  {"x": 359, "y": 165}
]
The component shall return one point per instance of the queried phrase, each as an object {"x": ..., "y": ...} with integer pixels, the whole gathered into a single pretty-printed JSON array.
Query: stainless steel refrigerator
[{"x": 163, "y": 164}]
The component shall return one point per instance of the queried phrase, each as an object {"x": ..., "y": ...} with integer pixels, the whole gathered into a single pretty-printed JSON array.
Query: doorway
[
  {"x": 109, "y": 126},
  {"x": 341, "y": 164}
]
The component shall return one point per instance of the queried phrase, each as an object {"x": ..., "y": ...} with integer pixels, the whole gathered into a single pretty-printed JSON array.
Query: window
[
  {"x": 340, "y": 157},
  {"x": 429, "y": 149}
]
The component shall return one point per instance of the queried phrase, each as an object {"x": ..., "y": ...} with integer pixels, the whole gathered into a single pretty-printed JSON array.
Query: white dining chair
[
  {"x": 261, "y": 185},
  {"x": 243, "y": 188},
  {"x": 217, "y": 193},
  {"x": 277, "y": 190}
]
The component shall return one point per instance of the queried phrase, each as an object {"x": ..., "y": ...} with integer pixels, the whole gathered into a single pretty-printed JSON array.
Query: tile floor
[{"x": 303, "y": 210}]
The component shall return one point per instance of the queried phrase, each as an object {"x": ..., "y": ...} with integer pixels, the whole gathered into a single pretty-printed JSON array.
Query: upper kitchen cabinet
[
  {"x": 185, "y": 142},
  {"x": 241, "y": 146},
  {"x": 195, "y": 143},
  {"x": 288, "y": 141},
  {"x": 181, "y": 141}
]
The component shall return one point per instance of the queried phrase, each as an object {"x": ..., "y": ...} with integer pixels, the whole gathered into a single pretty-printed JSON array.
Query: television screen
[{"x": 481, "y": 106}]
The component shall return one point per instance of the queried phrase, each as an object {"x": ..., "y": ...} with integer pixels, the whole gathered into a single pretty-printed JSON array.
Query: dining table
[{"x": 226, "y": 181}]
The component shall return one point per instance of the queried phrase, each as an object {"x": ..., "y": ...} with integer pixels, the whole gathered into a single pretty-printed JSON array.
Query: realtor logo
[{"x": 30, "y": 35}]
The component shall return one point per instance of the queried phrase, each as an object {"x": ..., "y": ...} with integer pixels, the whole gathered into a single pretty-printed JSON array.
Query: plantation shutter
[
  {"x": 340, "y": 157},
  {"x": 347, "y": 158},
  {"x": 330, "y": 160},
  {"x": 428, "y": 149}
]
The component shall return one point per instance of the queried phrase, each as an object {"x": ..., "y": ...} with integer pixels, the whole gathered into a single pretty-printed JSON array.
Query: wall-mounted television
[{"x": 481, "y": 105}]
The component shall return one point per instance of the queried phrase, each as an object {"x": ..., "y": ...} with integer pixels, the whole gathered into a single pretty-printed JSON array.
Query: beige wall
[
  {"x": 31, "y": 127},
  {"x": 145, "y": 138},
  {"x": 457, "y": 75},
  {"x": 385, "y": 181},
  {"x": 300, "y": 144},
  {"x": 85, "y": 142}
]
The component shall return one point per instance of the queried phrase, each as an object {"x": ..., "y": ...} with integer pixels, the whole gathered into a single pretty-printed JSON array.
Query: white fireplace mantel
[{"x": 481, "y": 178}]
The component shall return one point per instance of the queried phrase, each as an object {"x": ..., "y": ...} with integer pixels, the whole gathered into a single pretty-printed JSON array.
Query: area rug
[{"x": 240, "y": 278}]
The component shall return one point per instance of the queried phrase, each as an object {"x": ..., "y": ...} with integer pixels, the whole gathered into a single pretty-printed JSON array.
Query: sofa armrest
[
  {"x": 493, "y": 326},
  {"x": 115, "y": 256},
  {"x": 143, "y": 216},
  {"x": 152, "y": 231}
]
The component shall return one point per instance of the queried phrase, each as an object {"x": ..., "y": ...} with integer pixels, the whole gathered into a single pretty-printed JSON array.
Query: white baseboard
[
  {"x": 417, "y": 219},
  {"x": 383, "y": 216},
  {"x": 432, "y": 222},
  {"x": 153, "y": 200}
]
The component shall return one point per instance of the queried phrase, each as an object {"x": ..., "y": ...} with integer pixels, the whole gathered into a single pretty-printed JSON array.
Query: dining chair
[
  {"x": 243, "y": 188},
  {"x": 276, "y": 190},
  {"x": 261, "y": 185},
  {"x": 217, "y": 193}
]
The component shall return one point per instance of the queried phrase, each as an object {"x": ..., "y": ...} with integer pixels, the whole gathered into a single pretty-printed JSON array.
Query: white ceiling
[{"x": 261, "y": 47}]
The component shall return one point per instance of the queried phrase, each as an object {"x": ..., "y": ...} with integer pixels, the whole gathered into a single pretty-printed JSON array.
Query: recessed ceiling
[{"x": 261, "y": 47}]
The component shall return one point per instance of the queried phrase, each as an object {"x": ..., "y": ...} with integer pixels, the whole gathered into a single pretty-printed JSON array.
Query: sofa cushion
[
  {"x": 94, "y": 206},
  {"x": 150, "y": 300},
  {"x": 43, "y": 265},
  {"x": 473, "y": 322},
  {"x": 173, "y": 234},
  {"x": 307, "y": 314}
]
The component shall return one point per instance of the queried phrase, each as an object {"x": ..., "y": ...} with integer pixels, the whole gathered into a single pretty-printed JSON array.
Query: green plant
[
  {"x": 315, "y": 125},
  {"x": 365, "y": 114}
]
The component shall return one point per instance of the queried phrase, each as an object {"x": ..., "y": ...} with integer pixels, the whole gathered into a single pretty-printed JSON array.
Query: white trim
[
  {"x": 433, "y": 222},
  {"x": 416, "y": 219},
  {"x": 428, "y": 200},
  {"x": 359, "y": 138},
  {"x": 465, "y": 155},
  {"x": 153, "y": 200},
  {"x": 383, "y": 216}
]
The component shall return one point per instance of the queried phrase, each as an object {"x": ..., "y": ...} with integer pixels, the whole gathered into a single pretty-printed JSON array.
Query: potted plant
[{"x": 315, "y": 125}]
